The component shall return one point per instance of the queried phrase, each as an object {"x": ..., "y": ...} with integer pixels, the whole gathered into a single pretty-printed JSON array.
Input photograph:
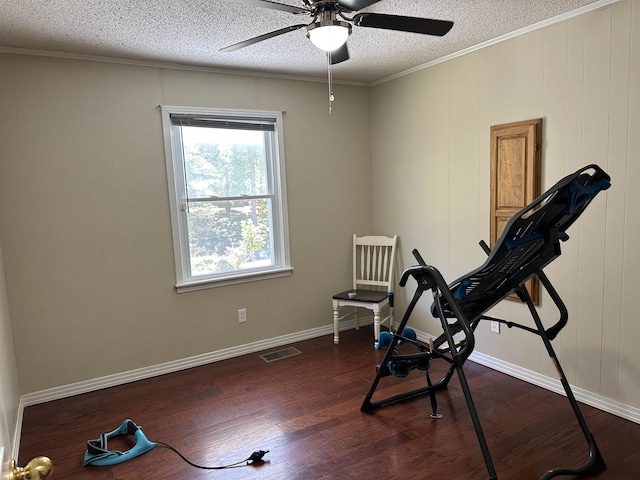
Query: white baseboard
[
  {"x": 553, "y": 384},
  {"x": 122, "y": 378},
  {"x": 18, "y": 433},
  {"x": 176, "y": 365},
  {"x": 593, "y": 399},
  {"x": 589, "y": 398}
]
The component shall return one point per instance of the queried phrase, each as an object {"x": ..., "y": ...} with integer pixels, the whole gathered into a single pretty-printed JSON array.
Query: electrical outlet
[
  {"x": 242, "y": 315},
  {"x": 495, "y": 326}
]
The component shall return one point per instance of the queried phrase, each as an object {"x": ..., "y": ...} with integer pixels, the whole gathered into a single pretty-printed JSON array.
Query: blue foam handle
[
  {"x": 384, "y": 340},
  {"x": 399, "y": 368},
  {"x": 408, "y": 333}
]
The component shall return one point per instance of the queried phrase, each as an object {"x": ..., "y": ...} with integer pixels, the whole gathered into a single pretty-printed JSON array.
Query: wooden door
[{"x": 515, "y": 177}]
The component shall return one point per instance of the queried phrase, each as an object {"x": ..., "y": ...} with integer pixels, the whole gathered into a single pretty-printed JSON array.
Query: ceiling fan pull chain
[{"x": 330, "y": 81}]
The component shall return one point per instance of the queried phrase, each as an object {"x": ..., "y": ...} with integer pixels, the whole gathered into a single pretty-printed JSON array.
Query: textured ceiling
[{"x": 191, "y": 32}]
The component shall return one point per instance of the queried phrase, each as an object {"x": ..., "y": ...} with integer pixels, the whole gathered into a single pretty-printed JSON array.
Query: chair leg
[
  {"x": 336, "y": 328},
  {"x": 376, "y": 325}
]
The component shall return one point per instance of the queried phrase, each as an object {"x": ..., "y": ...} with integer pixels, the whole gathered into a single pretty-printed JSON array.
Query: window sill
[{"x": 232, "y": 280}]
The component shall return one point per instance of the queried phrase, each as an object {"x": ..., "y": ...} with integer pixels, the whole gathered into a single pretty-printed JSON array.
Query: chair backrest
[{"x": 373, "y": 262}]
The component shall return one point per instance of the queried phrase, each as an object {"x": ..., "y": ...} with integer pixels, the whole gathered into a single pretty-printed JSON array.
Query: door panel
[{"x": 515, "y": 177}]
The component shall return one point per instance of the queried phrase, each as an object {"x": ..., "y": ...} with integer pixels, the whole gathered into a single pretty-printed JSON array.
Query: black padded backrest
[{"x": 530, "y": 241}]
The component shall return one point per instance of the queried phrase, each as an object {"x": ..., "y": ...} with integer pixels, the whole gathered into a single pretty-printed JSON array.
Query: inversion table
[{"x": 529, "y": 242}]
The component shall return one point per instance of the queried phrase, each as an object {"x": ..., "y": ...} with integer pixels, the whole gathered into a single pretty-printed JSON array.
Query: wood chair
[{"x": 372, "y": 287}]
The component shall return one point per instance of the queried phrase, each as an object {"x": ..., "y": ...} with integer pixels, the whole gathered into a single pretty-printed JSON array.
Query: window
[{"x": 228, "y": 205}]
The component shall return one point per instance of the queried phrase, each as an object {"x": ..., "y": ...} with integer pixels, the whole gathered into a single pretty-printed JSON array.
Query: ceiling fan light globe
[{"x": 329, "y": 35}]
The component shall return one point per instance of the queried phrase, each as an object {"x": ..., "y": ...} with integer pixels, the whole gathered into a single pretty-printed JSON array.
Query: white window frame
[{"x": 185, "y": 281}]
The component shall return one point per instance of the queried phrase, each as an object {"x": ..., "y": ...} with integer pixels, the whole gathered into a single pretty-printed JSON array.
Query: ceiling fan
[{"x": 331, "y": 26}]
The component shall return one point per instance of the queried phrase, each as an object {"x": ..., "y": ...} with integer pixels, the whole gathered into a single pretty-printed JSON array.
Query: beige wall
[
  {"x": 430, "y": 147},
  {"x": 85, "y": 228}
]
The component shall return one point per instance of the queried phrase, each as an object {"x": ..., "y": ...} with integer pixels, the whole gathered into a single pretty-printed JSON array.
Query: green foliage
[
  {"x": 224, "y": 234},
  {"x": 253, "y": 238}
]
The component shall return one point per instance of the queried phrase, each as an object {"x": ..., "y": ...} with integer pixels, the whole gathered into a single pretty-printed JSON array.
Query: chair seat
[{"x": 367, "y": 296}]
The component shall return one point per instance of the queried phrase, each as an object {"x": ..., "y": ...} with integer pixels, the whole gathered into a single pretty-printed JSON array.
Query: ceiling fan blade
[
  {"x": 260, "y": 38},
  {"x": 340, "y": 55},
  {"x": 426, "y": 26},
  {"x": 355, "y": 5},
  {"x": 271, "y": 5}
]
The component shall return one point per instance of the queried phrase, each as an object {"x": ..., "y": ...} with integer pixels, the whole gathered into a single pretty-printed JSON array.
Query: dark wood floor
[{"x": 306, "y": 411}]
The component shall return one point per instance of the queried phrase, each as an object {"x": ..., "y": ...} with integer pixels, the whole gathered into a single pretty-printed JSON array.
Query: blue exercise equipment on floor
[{"x": 99, "y": 454}]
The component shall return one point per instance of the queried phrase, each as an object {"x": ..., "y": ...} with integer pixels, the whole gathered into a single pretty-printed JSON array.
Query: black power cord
[{"x": 254, "y": 459}]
